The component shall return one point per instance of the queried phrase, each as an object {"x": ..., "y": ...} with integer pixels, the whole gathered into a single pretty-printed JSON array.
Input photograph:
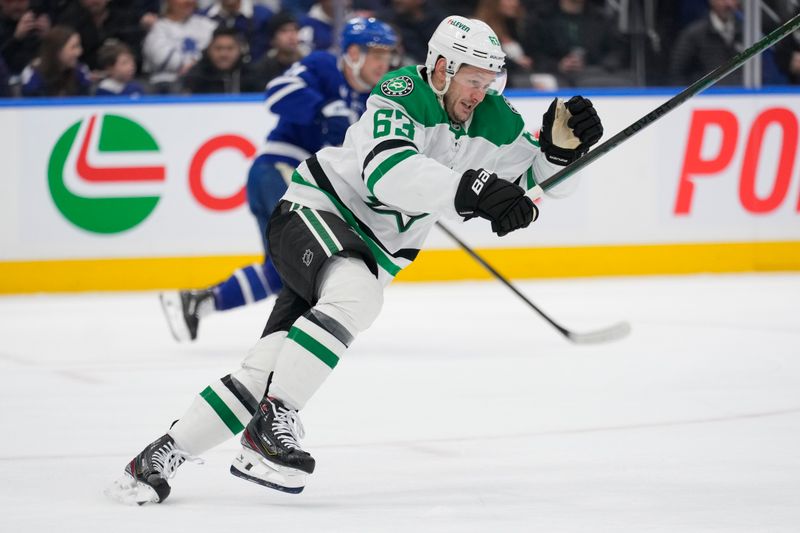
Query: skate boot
[
  {"x": 144, "y": 479},
  {"x": 270, "y": 454},
  {"x": 184, "y": 309}
]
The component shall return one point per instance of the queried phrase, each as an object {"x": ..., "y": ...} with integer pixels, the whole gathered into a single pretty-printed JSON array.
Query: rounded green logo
[
  {"x": 105, "y": 176},
  {"x": 399, "y": 86}
]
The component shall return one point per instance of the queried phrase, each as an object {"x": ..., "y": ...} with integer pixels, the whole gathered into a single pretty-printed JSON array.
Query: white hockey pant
[{"x": 349, "y": 300}]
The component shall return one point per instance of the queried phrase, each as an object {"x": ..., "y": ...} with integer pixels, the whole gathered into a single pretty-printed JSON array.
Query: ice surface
[{"x": 459, "y": 411}]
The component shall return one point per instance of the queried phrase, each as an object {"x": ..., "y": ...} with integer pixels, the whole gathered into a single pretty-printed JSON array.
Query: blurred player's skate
[
  {"x": 184, "y": 309},
  {"x": 270, "y": 454},
  {"x": 144, "y": 479}
]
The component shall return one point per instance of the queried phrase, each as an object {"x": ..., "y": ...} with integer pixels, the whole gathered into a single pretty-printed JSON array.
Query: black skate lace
[
  {"x": 168, "y": 458},
  {"x": 287, "y": 427}
]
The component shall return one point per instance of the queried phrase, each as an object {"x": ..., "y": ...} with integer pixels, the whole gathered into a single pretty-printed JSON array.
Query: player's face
[
  {"x": 376, "y": 63},
  {"x": 467, "y": 89}
]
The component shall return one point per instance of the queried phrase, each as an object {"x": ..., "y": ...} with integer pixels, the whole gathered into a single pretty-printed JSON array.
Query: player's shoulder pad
[
  {"x": 320, "y": 61},
  {"x": 496, "y": 120},
  {"x": 407, "y": 89}
]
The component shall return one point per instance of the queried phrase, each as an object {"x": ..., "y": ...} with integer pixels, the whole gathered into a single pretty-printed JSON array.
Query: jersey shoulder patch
[
  {"x": 510, "y": 106},
  {"x": 397, "y": 86}
]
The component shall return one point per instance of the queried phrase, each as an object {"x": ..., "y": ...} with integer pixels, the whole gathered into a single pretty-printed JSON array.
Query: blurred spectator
[
  {"x": 119, "y": 66},
  {"x": 787, "y": 57},
  {"x": 690, "y": 11},
  {"x": 316, "y": 27},
  {"x": 575, "y": 41},
  {"x": 51, "y": 8},
  {"x": 5, "y": 87},
  {"x": 57, "y": 71},
  {"x": 465, "y": 8},
  {"x": 97, "y": 21},
  {"x": 707, "y": 43},
  {"x": 175, "y": 44},
  {"x": 221, "y": 70},
  {"x": 249, "y": 20},
  {"x": 298, "y": 8},
  {"x": 284, "y": 48},
  {"x": 507, "y": 19},
  {"x": 21, "y": 31},
  {"x": 273, "y": 5},
  {"x": 415, "y": 21},
  {"x": 146, "y": 11}
]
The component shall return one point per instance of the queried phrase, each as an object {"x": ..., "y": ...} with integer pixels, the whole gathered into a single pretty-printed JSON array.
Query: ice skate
[
  {"x": 270, "y": 454},
  {"x": 144, "y": 479},
  {"x": 184, "y": 309}
]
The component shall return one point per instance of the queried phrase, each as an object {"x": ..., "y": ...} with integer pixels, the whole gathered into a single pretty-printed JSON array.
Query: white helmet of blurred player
[{"x": 463, "y": 41}]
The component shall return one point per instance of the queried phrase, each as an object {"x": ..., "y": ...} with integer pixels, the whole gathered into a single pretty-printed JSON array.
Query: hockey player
[
  {"x": 315, "y": 100},
  {"x": 436, "y": 140}
]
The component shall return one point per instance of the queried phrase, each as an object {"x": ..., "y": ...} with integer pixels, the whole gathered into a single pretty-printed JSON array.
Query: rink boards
[{"x": 117, "y": 195}]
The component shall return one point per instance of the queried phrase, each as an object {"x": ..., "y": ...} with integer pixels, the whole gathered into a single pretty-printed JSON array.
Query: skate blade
[
  {"x": 128, "y": 491},
  {"x": 251, "y": 466},
  {"x": 173, "y": 310}
]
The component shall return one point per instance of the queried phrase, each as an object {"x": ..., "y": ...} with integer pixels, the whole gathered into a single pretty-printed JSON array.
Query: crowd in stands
[{"x": 134, "y": 47}]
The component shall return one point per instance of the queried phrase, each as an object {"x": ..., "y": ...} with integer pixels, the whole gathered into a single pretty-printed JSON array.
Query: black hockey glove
[
  {"x": 569, "y": 130},
  {"x": 483, "y": 194}
]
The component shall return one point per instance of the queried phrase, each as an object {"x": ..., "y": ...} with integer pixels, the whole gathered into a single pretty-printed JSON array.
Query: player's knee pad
[
  {"x": 349, "y": 293},
  {"x": 259, "y": 363}
]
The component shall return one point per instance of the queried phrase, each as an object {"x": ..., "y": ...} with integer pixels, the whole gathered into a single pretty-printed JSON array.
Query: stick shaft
[
  {"x": 700, "y": 85},
  {"x": 502, "y": 279}
]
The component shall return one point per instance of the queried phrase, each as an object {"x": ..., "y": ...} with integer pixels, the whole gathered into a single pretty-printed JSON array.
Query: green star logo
[
  {"x": 403, "y": 220},
  {"x": 400, "y": 86}
]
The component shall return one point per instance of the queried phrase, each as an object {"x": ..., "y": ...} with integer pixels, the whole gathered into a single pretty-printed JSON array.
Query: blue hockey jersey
[{"x": 315, "y": 106}]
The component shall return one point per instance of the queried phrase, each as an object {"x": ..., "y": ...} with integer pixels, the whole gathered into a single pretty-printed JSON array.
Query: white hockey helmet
[{"x": 463, "y": 41}]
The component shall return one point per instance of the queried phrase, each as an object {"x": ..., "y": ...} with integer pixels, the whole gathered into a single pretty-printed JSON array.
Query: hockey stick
[
  {"x": 611, "y": 333},
  {"x": 700, "y": 85}
]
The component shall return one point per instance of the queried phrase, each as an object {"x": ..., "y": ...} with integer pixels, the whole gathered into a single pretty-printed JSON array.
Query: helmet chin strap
[
  {"x": 437, "y": 92},
  {"x": 355, "y": 70},
  {"x": 440, "y": 93}
]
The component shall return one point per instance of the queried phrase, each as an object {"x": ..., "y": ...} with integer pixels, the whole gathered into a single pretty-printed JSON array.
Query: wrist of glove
[
  {"x": 569, "y": 130},
  {"x": 481, "y": 193}
]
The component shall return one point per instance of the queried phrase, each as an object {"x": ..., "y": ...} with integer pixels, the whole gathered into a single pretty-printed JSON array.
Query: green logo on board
[{"x": 102, "y": 174}]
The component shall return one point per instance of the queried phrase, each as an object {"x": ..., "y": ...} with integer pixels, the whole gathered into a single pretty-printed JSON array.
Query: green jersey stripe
[
  {"x": 531, "y": 139},
  {"x": 531, "y": 179},
  {"x": 316, "y": 218},
  {"x": 380, "y": 256},
  {"x": 319, "y": 350},
  {"x": 320, "y": 179},
  {"x": 222, "y": 410},
  {"x": 387, "y": 165},
  {"x": 321, "y": 231}
]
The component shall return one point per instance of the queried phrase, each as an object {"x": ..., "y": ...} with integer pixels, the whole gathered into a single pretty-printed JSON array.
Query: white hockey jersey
[{"x": 400, "y": 164}]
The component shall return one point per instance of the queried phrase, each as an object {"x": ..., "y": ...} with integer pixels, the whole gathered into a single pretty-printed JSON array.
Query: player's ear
[
  {"x": 353, "y": 51},
  {"x": 441, "y": 64}
]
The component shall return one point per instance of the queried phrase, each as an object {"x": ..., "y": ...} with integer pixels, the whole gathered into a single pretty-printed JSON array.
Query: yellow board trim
[{"x": 18, "y": 277}]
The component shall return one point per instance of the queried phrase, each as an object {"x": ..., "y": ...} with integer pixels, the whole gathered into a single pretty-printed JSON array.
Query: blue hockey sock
[{"x": 246, "y": 285}]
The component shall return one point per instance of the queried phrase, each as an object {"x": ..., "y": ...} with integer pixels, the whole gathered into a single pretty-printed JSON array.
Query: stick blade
[{"x": 609, "y": 334}]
